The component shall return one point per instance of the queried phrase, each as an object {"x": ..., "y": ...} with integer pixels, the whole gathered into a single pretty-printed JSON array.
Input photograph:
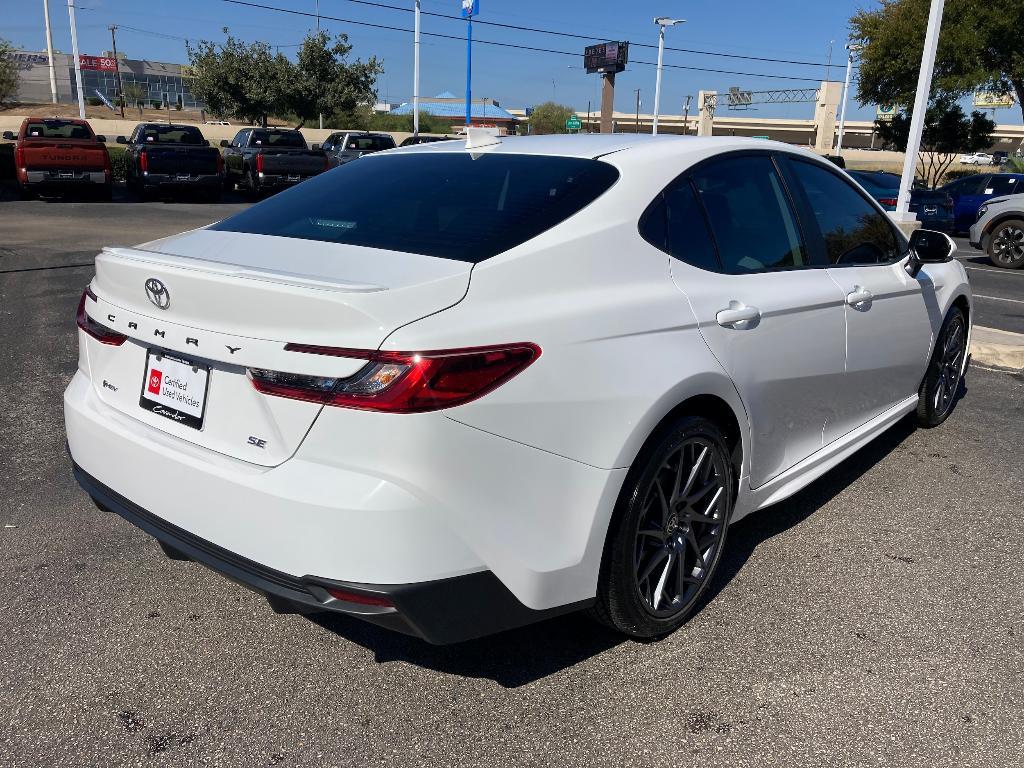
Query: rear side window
[
  {"x": 971, "y": 185},
  {"x": 854, "y": 231},
  {"x": 450, "y": 204},
  {"x": 264, "y": 138},
  {"x": 675, "y": 223},
  {"x": 370, "y": 143},
  {"x": 57, "y": 129},
  {"x": 750, "y": 214}
]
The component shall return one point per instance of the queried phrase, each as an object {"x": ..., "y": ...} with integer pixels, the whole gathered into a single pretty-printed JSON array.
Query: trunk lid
[
  {"x": 45, "y": 154},
  {"x": 231, "y": 307},
  {"x": 182, "y": 160},
  {"x": 302, "y": 162}
]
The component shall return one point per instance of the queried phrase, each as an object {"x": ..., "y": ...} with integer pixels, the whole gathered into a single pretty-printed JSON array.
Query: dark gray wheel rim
[
  {"x": 1008, "y": 245},
  {"x": 953, "y": 347},
  {"x": 680, "y": 528}
]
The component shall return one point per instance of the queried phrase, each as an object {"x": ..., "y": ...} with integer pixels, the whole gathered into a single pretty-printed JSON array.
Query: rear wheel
[
  {"x": 668, "y": 531},
  {"x": 1006, "y": 245},
  {"x": 941, "y": 384}
]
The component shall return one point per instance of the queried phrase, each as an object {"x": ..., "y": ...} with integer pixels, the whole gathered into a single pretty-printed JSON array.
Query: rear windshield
[
  {"x": 262, "y": 138},
  {"x": 57, "y": 129},
  {"x": 172, "y": 134},
  {"x": 444, "y": 204},
  {"x": 369, "y": 143}
]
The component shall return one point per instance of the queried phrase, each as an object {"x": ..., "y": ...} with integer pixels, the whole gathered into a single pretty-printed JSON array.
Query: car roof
[
  {"x": 76, "y": 120},
  {"x": 594, "y": 145}
]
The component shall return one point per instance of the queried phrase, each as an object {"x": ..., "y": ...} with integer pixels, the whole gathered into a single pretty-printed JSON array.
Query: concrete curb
[{"x": 999, "y": 349}]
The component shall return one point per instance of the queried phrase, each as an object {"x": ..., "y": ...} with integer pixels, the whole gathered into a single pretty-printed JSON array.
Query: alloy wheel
[
  {"x": 680, "y": 527},
  {"x": 950, "y": 364},
  {"x": 1008, "y": 245}
]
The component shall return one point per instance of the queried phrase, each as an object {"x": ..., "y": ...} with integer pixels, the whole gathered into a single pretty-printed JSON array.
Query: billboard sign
[
  {"x": 992, "y": 99},
  {"x": 885, "y": 112},
  {"x": 605, "y": 57},
  {"x": 470, "y": 8},
  {"x": 102, "y": 63}
]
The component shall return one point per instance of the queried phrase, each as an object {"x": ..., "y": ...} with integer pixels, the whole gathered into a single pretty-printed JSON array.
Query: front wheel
[
  {"x": 668, "y": 531},
  {"x": 1006, "y": 245},
  {"x": 941, "y": 384}
]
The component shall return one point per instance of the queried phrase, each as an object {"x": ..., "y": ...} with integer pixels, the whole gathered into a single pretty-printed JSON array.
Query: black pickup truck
[
  {"x": 258, "y": 160},
  {"x": 172, "y": 157}
]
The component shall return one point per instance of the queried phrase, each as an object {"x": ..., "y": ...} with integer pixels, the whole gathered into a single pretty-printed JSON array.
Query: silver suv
[{"x": 999, "y": 231}]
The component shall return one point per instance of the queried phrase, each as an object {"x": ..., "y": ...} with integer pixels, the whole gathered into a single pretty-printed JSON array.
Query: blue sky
[{"x": 783, "y": 29}]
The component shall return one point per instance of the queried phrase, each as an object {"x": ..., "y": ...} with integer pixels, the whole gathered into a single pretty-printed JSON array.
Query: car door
[
  {"x": 233, "y": 154},
  {"x": 967, "y": 199},
  {"x": 773, "y": 320},
  {"x": 889, "y": 314}
]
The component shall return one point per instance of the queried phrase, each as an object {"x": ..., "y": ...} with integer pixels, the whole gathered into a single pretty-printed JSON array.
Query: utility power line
[
  {"x": 589, "y": 38},
  {"x": 574, "y": 54}
]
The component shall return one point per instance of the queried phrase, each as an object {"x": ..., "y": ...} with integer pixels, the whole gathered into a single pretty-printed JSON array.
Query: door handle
[
  {"x": 859, "y": 296},
  {"x": 732, "y": 317}
]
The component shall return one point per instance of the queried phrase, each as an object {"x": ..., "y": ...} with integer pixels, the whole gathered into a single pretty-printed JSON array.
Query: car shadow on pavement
[{"x": 524, "y": 655}]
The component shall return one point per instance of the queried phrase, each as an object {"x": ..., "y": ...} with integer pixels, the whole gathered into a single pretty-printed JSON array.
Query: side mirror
[
  {"x": 928, "y": 247},
  {"x": 206, "y": 143},
  {"x": 122, "y": 140},
  {"x": 101, "y": 138},
  {"x": 9, "y": 135},
  {"x": 225, "y": 143}
]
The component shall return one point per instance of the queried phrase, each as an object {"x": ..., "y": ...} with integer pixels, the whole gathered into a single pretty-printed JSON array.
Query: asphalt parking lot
[
  {"x": 873, "y": 619},
  {"x": 998, "y": 293}
]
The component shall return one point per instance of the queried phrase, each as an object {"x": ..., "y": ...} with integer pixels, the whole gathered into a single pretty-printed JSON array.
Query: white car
[
  {"x": 999, "y": 231},
  {"x": 454, "y": 389},
  {"x": 977, "y": 158}
]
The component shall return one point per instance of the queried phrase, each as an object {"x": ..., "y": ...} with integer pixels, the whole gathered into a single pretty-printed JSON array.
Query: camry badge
[{"x": 158, "y": 293}]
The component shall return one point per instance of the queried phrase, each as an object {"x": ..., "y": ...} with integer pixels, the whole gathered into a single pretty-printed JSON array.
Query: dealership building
[{"x": 162, "y": 83}]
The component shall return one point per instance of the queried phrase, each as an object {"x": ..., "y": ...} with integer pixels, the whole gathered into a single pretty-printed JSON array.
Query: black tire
[
  {"x": 1006, "y": 244},
  {"x": 25, "y": 193},
  {"x": 105, "y": 193},
  {"x": 941, "y": 384},
  {"x": 674, "y": 508}
]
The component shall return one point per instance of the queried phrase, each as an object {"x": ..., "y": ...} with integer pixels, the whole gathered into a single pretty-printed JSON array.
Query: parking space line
[{"x": 998, "y": 298}]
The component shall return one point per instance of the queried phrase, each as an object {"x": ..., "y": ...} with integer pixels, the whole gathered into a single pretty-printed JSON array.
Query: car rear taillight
[
  {"x": 99, "y": 332},
  {"x": 143, "y": 161},
  {"x": 402, "y": 382},
  {"x": 19, "y": 157},
  {"x": 259, "y": 163},
  {"x": 888, "y": 201}
]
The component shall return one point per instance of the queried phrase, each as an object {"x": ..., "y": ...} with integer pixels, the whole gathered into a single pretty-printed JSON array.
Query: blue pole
[{"x": 469, "y": 66}]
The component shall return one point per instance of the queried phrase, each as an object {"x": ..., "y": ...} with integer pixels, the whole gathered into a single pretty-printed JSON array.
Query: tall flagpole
[
  {"x": 78, "y": 63},
  {"x": 416, "y": 73}
]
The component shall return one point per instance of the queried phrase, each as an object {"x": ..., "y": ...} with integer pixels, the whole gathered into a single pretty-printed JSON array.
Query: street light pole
[
  {"x": 49, "y": 50},
  {"x": 924, "y": 86},
  {"x": 78, "y": 63},
  {"x": 662, "y": 22},
  {"x": 117, "y": 66},
  {"x": 416, "y": 72},
  {"x": 851, "y": 48},
  {"x": 636, "y": 129}
]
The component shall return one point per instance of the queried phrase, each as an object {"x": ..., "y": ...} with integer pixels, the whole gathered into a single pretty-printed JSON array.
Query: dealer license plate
[{"x": 175, "y": 388}]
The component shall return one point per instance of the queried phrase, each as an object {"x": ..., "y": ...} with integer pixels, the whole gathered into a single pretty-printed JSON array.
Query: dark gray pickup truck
[
  {"x": 264, "y": 159},
  {"x": 171, "y": 157}
]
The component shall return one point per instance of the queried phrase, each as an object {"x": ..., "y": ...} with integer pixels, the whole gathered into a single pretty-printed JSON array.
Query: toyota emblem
[{"x": 158, "y": 293}]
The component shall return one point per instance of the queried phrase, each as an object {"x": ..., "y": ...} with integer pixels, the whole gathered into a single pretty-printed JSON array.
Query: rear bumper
[
  {"x": 441, "y": 612},
  {"x": 277, "y": 180},
  {"x": 40, "y": 179},
  {"x": 170, "y": 180}
]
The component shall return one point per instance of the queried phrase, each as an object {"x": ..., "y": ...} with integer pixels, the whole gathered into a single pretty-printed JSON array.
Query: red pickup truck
[{"x": 59, "y": 155}]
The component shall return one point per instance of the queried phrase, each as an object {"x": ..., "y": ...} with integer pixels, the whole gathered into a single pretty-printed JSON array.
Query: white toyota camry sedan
[{"x": 460, "y": 387}]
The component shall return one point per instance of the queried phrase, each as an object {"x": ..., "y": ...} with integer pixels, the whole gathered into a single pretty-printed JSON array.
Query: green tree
[
  {"x": 8, "y": 73},
  {"x": 323, "y": 81},
  {"x": 947, "y": 132},
  {"x": 134, "y": 94},
  {"x": 550, "y": 117},
  {"x": 981, "y": 45},
  {"x": 242, "y": 80}
]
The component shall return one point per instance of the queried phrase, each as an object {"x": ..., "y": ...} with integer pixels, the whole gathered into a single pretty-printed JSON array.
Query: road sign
[
  {"x": 885, "y": 112},
  {"x": 573, "y": 123},
  {"x": 470, "y": 8},
  {"x": 992, "y": 99}
]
